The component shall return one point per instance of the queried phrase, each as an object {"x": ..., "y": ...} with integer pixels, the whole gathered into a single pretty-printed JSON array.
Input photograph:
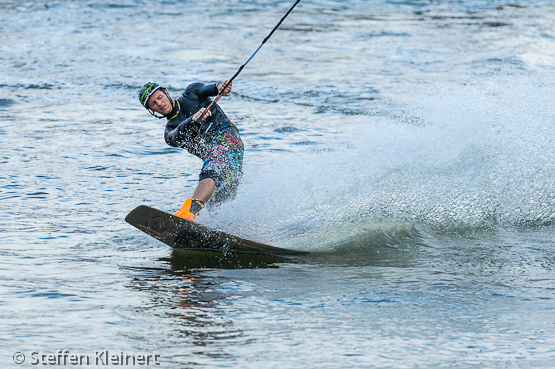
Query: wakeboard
[{"x": 180, "y": 233}]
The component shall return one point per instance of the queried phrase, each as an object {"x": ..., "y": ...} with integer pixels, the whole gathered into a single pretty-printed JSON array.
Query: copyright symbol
[{"x": 18, "y": 357}]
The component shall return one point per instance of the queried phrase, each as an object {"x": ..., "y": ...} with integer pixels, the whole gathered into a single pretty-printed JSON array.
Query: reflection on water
[
  {"x": 191, "y": 307},
  {"x": 191, "y": 259}
]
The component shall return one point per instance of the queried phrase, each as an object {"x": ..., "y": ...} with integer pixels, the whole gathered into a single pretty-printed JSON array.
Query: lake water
[{"x": 407, "y": 145}]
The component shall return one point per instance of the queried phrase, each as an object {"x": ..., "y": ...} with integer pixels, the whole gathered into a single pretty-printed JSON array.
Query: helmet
[{"x": 147, "y": 91}]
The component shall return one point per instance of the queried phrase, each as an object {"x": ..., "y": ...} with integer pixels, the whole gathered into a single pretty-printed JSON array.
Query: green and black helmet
[{"x": 147, "y": 91}]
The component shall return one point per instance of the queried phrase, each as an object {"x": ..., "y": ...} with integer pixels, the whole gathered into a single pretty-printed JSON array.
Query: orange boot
[{"x": 190, "y": 209}]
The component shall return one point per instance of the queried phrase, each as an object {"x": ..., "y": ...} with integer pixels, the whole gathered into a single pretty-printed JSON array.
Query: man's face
[{"x": 159, "y": 102}]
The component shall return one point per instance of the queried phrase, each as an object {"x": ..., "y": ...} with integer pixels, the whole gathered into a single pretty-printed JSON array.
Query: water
[{"x": 406, "y": 144}]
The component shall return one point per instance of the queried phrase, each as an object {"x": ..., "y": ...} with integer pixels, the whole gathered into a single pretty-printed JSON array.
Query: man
[{"x": 208, "y": 134}]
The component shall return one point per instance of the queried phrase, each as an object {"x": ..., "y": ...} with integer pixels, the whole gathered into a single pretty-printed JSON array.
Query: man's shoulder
[{"x": 193, "y": 88}]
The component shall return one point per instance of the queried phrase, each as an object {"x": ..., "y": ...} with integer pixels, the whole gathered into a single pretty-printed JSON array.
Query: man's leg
[
  {"x": 204, "y": 190},
  {"x": 223, "y": 162},
  {"x": 192, "y": 206}
]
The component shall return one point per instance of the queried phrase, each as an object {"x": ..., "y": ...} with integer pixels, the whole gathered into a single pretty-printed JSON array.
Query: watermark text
[{"x": 98, "y": 358}]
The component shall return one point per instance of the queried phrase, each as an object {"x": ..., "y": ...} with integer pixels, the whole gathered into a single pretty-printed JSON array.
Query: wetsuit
[{"x": 216, "y": 140}]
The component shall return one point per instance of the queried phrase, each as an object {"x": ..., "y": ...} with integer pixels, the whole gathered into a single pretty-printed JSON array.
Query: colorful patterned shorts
[{"x": 223, "y": 162}]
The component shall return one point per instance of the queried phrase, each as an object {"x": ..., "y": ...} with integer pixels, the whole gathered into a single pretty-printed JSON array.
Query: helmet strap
[{"x": 154, "y": 113}]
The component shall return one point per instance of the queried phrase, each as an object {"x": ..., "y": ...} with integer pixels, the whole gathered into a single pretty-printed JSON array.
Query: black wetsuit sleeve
[
  {"x": 203, "y": 91},
  {"x": 177, "y": 136}
]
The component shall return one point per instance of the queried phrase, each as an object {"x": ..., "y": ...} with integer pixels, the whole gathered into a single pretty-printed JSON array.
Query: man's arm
[
  {"x": 177, "y": 136},
  {"x": 203, "y": 91}
]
